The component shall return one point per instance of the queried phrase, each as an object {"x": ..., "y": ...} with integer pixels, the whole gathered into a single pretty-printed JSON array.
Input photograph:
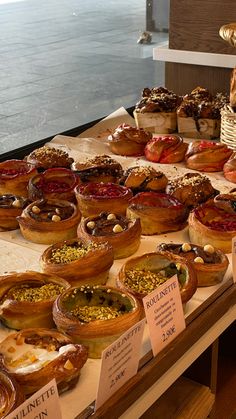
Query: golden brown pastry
[
  {"x": 158, "y": 212},
  {"x": 26, "y": 299},
  {"x": 226, "y": 202},
  {"x": 79, "y": 261},
  {"x": 94, "y": 198},
  {"x": 166, "y": 149},
  {"x": 15, "y": 176},
  {"x": 11, "y": 206},
  {"x": 207, "y": 156},
  {"x": 228, "y": 33},
  {"x": 35, "y": 356},
  {"x": 49, "y": 221},
  {"x": 210, "y": 264},
  {"x": 229, "y": 168},
  {"x": 144, "y": 178},
  {"x": 11, "y": 395},
  {"x": 120, "y": 232},
  {"x": 101, "y": 168},
  {"x": 46, "y": 157},
  {"x": 128, "y": 141},
  {"x": 95, "y": 316},
  {"x": 191, "y": 189},
  {"x": 232, "y": 95}
]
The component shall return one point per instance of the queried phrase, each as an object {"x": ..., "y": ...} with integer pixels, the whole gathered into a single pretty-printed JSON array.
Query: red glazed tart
[
  {"x": 56, "y": 183},
  {"x": 94, "y": 198},
  {"x": 15, "y": 176},
  {"x": 11, "y": 206},
  {"x": 166, "y": 149},
  {"x": 128, "y": 141},
  {"x": 207, "y": 156},
  {"x": 158, "y": 212}
]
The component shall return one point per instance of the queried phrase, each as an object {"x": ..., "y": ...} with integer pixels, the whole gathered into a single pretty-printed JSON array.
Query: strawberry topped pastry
[
  {"x": 14, "y": 177},
  {"x": 207, "y": 156},
  {"x": 166, "y": 149}
]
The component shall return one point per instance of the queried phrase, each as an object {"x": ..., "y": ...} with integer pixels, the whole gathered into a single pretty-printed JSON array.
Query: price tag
[
  {"x": 234, "y": 258},
  {"x": 43, "y": 404},
  {"x": 119, "y": 362},
  {"x": 164, "y": 313}
]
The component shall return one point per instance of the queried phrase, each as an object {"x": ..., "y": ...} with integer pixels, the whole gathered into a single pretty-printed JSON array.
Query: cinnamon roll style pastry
[
  {"x": 156, "y": 111},
  {"x": 101, "y": 168},
  {"x": 11, "y": 395},
  {"x": 207, "y": 156},
  {"x": 158, "y": 212},
  {"x": 198, "y": 115},
  {"x": 229, "y": 168},
  {"x": 47, "y": 157},
  {"x": 95, "y": 316},
  {"x": 35, "y": 356},
  {"x": 15, "y": 176},
  {"x": 144, "y": 178},
  {"x": 128, "y": 141},
  {"x": 26, "y": 299},
  {"x": 120, "y": 232},
  {"x": 49, "y": 221},
  {"x": 209, "y": 264},
  {"x": 11, "y": 206},
  {"x": 166, "y": 149}
]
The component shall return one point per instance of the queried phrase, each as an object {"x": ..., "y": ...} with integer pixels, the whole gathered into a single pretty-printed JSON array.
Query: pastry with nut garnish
[
  {"x": 210, "y": 264},
  {"x": 207, "y": 156},
  {"x": 26, "y": 299},
  {"x": 143, "y": 274},
  {"x": 101, "y": 168},
  {"x": 166, "y": 149},
  {"x": 229, "y": 168},
  {"x": 15, "y": 176},
  {"x": 47, "y": 157},
  {"x": 128, "y": 141},
  {"x": 11, "y": 395},
  {"x": 79, "y": 261},
  {"x": 156, "y": 111},
  {"x": 49, "y": 221},
  {"x": 191, "y": 189},
  {"x": 35, "y": 356},
  {"x": 120, "y": 232},
  {"x": 144, "y": 178},
  {"x": 158, "y": 212},
  {"x": 93, "y": 198},
  {"x": 11, "y": 206},
  {"x": 95, "y": 316},
  {"x": 56, "y": 183}
]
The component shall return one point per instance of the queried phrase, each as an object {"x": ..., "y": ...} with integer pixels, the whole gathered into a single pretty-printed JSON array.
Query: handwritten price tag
[
  {"x": 119, "y": 362},
  {"x": 234, "y": 258},
  {"x": 164, "y": 312}
]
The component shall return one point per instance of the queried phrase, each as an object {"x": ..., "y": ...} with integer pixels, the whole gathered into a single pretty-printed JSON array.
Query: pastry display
[
  {"x": 158, "y": 212},
  {"x": 95, "y": 316},
  {"x": 34, "y": 357},
  {"x": 128, "y": 141},
  {"x": 94, "y": 198},
  {"x": 156, "y": 111},
  {"x": 210, "y": 264},
  {"x": 143, "y": 274},
  {"x": 101, "y": 168},
  {"x": 11, "y": 206},
  {"x": 166, "y": 149},
  {"x": 119, "y": 231},
  {"x": 56, "y": 183},
  {"x": 15, "y": 176},
  {"x": 49, "y": 221},
  {"x": 46, "y": 157},
  {"x": 11, "y": 395},
  {"x": 26, "y": 299},
  {"x": 207, "y": 156},
  {"x": 229, "y": 168},
  {"x": 191, "y": 189},
  {"x": 78, "y": 261},
  {"x": 144, "y": 178},
  {"x": 209, "y": 224},
  {"x": 198, "y": 115}
]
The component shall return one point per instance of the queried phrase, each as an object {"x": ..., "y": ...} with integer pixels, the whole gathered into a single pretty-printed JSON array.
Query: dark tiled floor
[{"x": 66, "y": 62}]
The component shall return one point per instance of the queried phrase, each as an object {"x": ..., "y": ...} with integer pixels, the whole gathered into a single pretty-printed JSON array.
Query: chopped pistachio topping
[
  {"x": 70, "y": 253},
  {"x": 34, "y": 294},
  {"x": 90, "y": 313},
  {"x": 144, "y": 281}
]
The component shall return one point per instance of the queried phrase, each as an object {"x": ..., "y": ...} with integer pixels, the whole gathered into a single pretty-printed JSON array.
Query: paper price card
[
  {"x": 234, "y": 258},
  {"x": 43, "y": 404},
  {"x": 119, "y": 362},
  {"x": 164, "y": 313}
]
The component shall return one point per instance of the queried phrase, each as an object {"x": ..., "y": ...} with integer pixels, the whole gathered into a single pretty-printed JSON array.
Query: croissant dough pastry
[
  {"x": 166, "y": 149},
  {"x": 229, "y": 168},
  {"x": 46, "y": 157},
  {"x": 11, "y": 395},
  {"x": 14, "y": 177},
  {"x": 228, "y": 33},
  {"x": 35, "y": 356},
  {"x": 128, "y": 141},
  {"x": 11, "y": 206},
  {"x": 144, "y": 178},
  {"x": 207, "y": 156},
  {"x": 101, "y": 168}
]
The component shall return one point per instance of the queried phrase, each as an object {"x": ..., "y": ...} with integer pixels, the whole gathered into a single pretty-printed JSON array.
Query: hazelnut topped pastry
[
  {"x": 207, "y": 156},
  {"x": 144, "y": 178},
  {"x": 128, "y": 141},
  {"x": 46, "y": 157},
  {"x": 101, "y": 168},
  {"x": 11, "y": 206},
  {"x": 14, "y": 177},
  {"x": 166, "y": 149}
]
